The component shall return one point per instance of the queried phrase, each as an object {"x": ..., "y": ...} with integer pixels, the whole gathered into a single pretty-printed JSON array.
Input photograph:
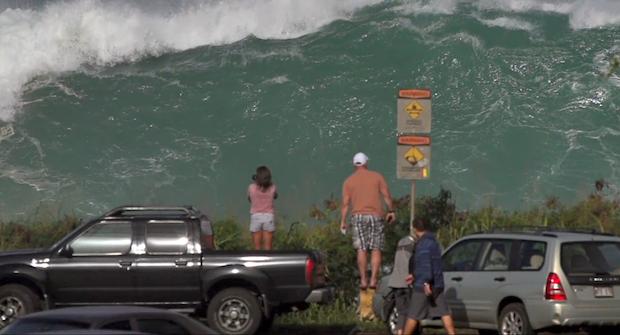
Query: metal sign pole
[
  {"x": 412, "y": 210},
  {"x": 413, "y": 140}
]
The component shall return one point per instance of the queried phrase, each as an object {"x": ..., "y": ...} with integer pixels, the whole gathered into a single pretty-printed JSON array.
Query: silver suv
[{"x": 523, "y": 282}]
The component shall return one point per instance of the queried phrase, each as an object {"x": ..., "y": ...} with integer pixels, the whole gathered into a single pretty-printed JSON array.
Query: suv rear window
[{"x": 591, "y": 258}]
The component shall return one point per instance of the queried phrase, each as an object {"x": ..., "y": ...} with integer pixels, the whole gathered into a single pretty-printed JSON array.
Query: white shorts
[{"x": 262, "y": 222}]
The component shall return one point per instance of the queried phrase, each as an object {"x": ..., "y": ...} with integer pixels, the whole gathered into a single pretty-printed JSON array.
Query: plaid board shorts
[{"x": 367, "y": 231}]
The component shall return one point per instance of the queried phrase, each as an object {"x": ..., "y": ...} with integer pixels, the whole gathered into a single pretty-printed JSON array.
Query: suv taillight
[
  {"x": 554, "y": 289},
  {"x": 309, "y": 271}
]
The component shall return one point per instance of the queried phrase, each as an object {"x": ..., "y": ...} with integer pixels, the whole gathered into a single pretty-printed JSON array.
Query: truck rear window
[{"x": 591, "y": 258}]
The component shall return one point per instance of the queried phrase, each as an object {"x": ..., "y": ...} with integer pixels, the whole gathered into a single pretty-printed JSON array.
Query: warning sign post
[{"x": 413, "y": 123}]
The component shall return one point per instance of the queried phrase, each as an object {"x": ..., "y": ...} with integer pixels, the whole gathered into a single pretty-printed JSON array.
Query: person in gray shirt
[{"x": 397, "y": 281}]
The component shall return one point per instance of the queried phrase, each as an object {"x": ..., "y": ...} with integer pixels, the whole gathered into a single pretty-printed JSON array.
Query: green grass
[{"x": 340, "y": 314}]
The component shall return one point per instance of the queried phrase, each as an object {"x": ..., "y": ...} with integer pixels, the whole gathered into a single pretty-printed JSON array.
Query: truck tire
[
  {"x": 514, "y": 320},
  {"x": 16, "y": 300},
  {"x": 234, "y": 311}
]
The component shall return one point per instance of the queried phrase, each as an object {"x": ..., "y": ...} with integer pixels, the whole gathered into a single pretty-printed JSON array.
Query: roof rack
[
  {"x": 135, "y": 211},
  {"x": 544, "y": 230}
]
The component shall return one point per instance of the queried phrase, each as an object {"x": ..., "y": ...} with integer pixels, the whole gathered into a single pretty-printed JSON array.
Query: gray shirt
[{"x": 404, "y": 250}]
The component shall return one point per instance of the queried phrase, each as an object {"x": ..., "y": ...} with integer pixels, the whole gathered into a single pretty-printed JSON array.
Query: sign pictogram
[
  {"x": 414, "y": 109},
  {"x": 413, "y": 157}
]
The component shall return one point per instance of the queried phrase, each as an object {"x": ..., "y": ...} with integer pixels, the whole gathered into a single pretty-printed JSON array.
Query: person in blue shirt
[{"x": 427, "y": 298}]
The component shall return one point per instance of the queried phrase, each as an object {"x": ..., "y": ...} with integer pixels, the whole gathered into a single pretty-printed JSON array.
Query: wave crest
[{"x": 62, "y": 36}]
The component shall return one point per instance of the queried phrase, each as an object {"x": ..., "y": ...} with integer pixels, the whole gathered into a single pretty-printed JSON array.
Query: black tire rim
[
  {"x": 234, "y": 315},
  {"x": 512, "y": 324},
  {"x": 10, "y": 308},
  {"x": 393, "y": 321}
]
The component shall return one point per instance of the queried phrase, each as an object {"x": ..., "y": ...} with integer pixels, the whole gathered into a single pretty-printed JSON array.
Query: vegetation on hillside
[{"x": 320, "y": 231}]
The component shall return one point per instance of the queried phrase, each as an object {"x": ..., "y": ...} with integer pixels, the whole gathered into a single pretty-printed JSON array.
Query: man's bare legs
[
  {"x": 375, "y": 260},
  {"x": 362, "y": 266},
  {"x": 410, "y": 326},
  {"x": 448, "y": 324}
]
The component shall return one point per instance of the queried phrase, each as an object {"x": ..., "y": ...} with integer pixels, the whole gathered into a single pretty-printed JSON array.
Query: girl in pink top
[{"x": 261, "y": 194}]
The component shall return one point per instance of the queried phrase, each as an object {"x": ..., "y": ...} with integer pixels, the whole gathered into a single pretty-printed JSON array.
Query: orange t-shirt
[{"x": 364, "y": 189}]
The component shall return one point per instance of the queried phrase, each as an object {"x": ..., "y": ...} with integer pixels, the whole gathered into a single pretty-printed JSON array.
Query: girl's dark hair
[{"x": 263, "y": 177}]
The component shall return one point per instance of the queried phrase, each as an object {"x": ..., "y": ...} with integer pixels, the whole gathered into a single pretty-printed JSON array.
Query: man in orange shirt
[{"x": 366, "y": 191}]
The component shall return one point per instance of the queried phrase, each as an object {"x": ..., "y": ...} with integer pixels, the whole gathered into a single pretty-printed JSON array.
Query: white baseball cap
[{"x": 360, "y": 159}]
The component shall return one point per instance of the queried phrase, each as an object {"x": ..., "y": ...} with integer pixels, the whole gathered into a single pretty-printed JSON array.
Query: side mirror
[{"x": 66, "y": 251}]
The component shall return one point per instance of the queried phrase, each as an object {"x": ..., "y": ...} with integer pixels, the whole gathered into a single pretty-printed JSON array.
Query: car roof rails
[
  {"x": 544, "y": 230},
  {"x": 147, "y": 211}
]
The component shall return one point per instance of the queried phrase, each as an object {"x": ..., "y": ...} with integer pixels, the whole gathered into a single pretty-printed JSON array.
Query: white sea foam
[
  {"x": 63, "y": 36},
  {"x": 508, "y": 23},
  {"x": 428, "y": 7},
  {"x": 582, "y": 14}
]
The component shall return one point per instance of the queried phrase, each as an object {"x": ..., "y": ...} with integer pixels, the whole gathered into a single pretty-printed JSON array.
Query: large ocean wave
[
  {"x": 153, "y": 101},
  {"x": 53, "y": 37}
]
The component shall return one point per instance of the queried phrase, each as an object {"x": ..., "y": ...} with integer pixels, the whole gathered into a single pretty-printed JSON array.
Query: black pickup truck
[{"x": 153, "y": 256}]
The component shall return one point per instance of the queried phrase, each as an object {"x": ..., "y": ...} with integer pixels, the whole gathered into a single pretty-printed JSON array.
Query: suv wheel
[
  {"x": 234, "y": 311},
  {"x": 513, "y": 320},
  {"x": 16, "y": 300},
  {"x": 392, "y": 323},
  {"x": 392, "y": 320}
]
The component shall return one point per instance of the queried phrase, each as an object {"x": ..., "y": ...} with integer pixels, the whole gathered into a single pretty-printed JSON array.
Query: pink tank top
[{"x": 261, "y": 202}]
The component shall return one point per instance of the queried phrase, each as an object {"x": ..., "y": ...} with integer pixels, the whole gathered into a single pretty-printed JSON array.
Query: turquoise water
[{"x": 177, "y": 103}]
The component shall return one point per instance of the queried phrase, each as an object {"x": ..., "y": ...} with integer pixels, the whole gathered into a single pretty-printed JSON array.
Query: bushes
[
  {"x": 38, "y": 234},
  {"x": 321, "y": 231}
]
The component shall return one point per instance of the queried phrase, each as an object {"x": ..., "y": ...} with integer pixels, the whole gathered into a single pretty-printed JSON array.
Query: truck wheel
[
  {"x": 16, "y": 300},
  {"x": 513, "y": 320},
  {"x": 234, "y": 311}
]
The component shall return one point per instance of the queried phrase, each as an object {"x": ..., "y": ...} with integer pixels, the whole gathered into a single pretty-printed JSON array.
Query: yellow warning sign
[
  {"x": 413, "y": 161},
  {"x": 414, "y": 109},
  {"x": 414, "y": 155}
]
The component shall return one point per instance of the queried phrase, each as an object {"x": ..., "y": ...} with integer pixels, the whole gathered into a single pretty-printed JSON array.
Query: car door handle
[
  {"x": 180, "y": 262},
  {"x": 457, "y": 278},
  {"x": 125, "y": 264},
  {"x": 499, "y": 278}
]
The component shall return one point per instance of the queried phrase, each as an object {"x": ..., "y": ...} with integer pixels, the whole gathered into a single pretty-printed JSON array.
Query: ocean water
[{"x": 104, "y": 103}]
